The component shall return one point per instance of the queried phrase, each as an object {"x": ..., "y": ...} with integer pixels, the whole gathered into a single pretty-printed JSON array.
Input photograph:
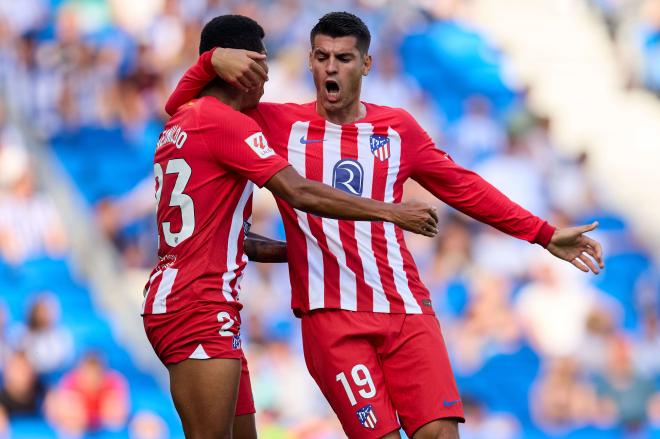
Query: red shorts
[
  {"x": 374, "y": 367},
  {"x": 201, "y": 332}
]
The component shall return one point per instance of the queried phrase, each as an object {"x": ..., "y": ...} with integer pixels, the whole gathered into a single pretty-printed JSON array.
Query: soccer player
[
  {"x": 207, "y": 159},
  {"x": 370, "y": 337}
]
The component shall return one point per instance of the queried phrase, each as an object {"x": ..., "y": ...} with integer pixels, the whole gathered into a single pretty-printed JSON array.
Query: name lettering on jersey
[
  {"x": 380, "y": 146},
  {"x": 173, "y": 135},
  {"x": 258, "y": 143},
  {"x": 348, "y": 176}
]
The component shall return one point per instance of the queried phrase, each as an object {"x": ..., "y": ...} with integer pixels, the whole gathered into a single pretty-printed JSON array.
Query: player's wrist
[
  {"x": 216, "y": 61},
  {"x": 389, "y": 213},
  {"x": 545, "y": 234}
]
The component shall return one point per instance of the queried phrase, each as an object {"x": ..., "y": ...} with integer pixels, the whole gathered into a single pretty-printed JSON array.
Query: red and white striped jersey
[
  {"x": 206, "y": 161},
  {"x": 365, "y": 266}
]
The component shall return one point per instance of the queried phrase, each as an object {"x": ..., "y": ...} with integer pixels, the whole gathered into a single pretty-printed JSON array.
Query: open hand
[
  {"x": 572, "y": 245},
  {"x": 416, "y": 217},
  {"x": 242, "y": 69}
]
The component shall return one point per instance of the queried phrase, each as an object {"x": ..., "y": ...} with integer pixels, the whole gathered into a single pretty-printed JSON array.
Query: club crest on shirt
[
  {"x": 258, "y": 143},
  {"x": 367, "y": 417},
  {"x": 380, "y": 146}
]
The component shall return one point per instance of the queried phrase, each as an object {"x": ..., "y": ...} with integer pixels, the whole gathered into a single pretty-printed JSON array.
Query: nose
[{"x": 331, "y": 66}]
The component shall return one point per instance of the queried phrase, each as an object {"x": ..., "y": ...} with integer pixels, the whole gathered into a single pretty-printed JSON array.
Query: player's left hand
[{"x": 572, "y": 245}]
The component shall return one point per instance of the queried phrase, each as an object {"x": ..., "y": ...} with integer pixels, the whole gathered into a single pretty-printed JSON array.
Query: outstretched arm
[
  {"x": 472, "y": 195},
  {"x": 261, "y": 249},
  {"x": 239, "y": 68},
  {"x": 317, "y": 198},
  {"x": 468, "y": 192}
]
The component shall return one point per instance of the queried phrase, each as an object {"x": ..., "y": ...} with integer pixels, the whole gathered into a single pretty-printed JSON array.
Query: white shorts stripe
[
  {"x": 296, "y": 157},
  {"x": 232, "y": 243},
  {"x": 393, "y": 249},
  {"x": 164, "y": 289},
  {"x": 363, "y": 228}
]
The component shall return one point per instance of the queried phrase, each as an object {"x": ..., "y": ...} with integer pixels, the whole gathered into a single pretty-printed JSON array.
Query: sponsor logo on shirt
[
  {"x": 380, "y": 146},
  {"x": 258, "y": 143},
  {"x": 367, "y": 417},
  {"x": 348, "y": 176},
  {"x": 451, "y": 403}
]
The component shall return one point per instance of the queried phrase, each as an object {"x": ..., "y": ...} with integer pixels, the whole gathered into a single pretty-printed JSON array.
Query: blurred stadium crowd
[{"x": 539, "y": 349}]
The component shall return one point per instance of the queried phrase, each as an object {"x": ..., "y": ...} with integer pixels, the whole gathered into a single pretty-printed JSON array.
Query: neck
[
  {"x": 232, "y": 97},
  {"x": 349, "y": 114}
]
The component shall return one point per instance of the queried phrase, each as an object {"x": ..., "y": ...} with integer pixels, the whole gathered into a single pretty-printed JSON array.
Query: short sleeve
[{"x": 236, "y": 142}]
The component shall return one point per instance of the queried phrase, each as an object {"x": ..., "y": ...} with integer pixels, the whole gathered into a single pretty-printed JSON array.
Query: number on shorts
[
  {"x": 177, "y": 199},
  {"x": 361, "y": 378},
  {"x": 228, "y": 322}
]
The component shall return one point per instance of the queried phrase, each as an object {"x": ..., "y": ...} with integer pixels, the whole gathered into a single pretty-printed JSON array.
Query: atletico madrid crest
[
  {"x": 367, "y": 417},
  {"x": 380, "y": 146}
]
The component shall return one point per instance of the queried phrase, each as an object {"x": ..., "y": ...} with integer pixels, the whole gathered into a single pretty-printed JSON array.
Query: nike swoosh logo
[
  {"x": 305, "y": 141},
  {"x": 451, "y": 403}
]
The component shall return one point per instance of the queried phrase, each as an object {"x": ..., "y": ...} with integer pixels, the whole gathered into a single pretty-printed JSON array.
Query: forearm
[
  {"x": 261, "y": 249},
  {"x": 319, "y": 199},
  {"x": 322, "y": 200},
  {"x": 192, "y": 83}
]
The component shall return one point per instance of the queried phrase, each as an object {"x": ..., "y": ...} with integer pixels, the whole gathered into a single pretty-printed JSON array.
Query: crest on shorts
[
  {"x": 367, "y": 417},
  {"x": 236, "y": 342},
  {"x": 380, "y": 146}
]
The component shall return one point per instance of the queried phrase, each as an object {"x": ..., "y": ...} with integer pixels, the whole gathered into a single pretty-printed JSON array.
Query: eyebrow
[{"x": 325, "y": 52}]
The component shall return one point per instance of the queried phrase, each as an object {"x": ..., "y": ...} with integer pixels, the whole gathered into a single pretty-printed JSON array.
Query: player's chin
[{"x": 331, "y": 104}]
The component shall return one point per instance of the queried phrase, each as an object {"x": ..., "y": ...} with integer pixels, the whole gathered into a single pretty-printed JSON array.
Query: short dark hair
[
  {"x": 232, "y": 31},
  {"x": 343, "y": 24}
]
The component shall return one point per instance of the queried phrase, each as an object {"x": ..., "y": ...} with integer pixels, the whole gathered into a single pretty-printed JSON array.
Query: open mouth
[{"x": 332, "y": 90}]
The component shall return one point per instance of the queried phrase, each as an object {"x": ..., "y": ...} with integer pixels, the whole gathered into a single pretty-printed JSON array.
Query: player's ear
[
  {"x": 309, "y": 61},
  {"x": 367, "y": 65}
]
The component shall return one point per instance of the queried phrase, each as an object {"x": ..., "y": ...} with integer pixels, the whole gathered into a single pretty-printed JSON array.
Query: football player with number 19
[
  {"x": 371, "y": 339},
  {"x": 205, "y": 164}
]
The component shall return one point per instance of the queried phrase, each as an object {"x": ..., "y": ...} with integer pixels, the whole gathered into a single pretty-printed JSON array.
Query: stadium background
[{"x": 555, "y": 102}]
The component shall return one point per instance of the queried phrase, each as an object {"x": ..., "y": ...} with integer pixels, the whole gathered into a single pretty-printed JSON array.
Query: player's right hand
[
  {"x": 242, "y": 69},
  {"x": 416, "y": 217}
]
